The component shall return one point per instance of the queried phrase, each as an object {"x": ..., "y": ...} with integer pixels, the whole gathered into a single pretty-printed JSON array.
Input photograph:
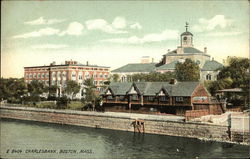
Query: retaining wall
[{"x": 116, "y": 122}]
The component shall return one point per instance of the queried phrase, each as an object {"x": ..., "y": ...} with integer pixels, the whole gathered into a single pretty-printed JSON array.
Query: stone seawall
[{"x": 153, "y": 124}]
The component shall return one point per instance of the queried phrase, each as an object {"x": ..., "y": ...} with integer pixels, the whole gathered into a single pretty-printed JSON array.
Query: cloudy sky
[{"x": 111, "y": 33}]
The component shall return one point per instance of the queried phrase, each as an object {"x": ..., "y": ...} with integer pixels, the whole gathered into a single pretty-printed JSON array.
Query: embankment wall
[{"x": 101, "y": 120}]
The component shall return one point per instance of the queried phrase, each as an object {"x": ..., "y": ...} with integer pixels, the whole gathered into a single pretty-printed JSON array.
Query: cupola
[{"x": 187, "y": 38}]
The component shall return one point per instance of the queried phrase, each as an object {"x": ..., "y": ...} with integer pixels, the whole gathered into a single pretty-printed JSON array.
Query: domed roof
[{"x": 186, "y": 33}]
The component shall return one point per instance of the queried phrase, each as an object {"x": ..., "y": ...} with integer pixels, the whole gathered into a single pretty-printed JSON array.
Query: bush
[
  {"x": 32, "y": 99},
  {"x": 62, "y": 102},
  {"x": 51, "y": 97}
]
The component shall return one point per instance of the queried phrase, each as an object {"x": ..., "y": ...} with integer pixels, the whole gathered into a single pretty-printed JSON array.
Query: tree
[
  {"x": 90, "y": 90},
  {"x": 12, "y": 89},
  {"x": 53, "y": 89},
  {"x": 214, "y": 86},
  {"x": 187, "y": 71},
  {"x": 72, "y": 88},
  {"x": 52, "y": 92},
  {"x": 238, "y": 71},
  {"x": 115, "y": 78},
  {"x": 35, "y": 89}
]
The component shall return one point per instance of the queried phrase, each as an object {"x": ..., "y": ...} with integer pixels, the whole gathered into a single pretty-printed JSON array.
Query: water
[{"x": 19, "y": 138}]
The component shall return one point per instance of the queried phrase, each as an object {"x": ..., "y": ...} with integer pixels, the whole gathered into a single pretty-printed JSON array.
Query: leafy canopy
[
  {"x": 187, "y": 71},
  {"x": 72, "y": 88},
  {"x": 90, "y": 90}
]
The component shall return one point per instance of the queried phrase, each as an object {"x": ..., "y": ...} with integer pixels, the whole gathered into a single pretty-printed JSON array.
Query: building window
[
  {"x": 208, "y": 77},
  {"x": 27, "y": 75},
  {"x": 110, "y": 97},
  {"x": 101, "y": 75},
  {"x": 163, "y": 98},
  {"x": 179, "y": 99},
  {"x": 80, "y": 77},
  {"x": 47, "y": 75},
  {"x": 135, "y": 97},
  {"x": 123, "y": 79},
  {"x": 38, "y": 75},
  {"x": 34, "y": 75},
  {"x": 87, "y": 76},
  {"x": 150, "y": 98},
  {"x": 43, "y": 75},
  {"x": 121, "y": 98}
]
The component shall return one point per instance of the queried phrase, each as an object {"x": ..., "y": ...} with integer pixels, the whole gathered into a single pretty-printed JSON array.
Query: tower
[{"x": 186, "y": 38}]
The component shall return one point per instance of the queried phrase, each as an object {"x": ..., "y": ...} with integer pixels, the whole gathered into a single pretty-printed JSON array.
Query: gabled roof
[
  {"x": 211, "y": 66},
  {"x": 186, "y": 50},
  {"x": 120, "y": 88},
  {"x": 182, "y": 88},
  {"x": 137, "y": 67},
  {"x": 169, "y": 66},
  {"x": 153, "y": 88},
  {"x": 149, "y": 88}
]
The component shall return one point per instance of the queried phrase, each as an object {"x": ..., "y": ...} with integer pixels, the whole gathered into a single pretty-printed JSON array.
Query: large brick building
[{"x": 54, "y": 74}]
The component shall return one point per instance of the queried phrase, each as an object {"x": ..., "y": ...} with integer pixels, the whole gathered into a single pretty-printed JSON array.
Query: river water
[{"x": 23, "y": 139}]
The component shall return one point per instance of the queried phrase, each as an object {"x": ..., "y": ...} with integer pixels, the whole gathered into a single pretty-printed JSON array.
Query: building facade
[
  {"x": 186, "y": 50},
  {"x": 54, "y": 74},
  {"x": 172, "y": 98}
]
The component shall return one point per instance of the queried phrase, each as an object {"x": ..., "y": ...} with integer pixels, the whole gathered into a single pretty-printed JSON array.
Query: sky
[{"x": 115, "y": 33}]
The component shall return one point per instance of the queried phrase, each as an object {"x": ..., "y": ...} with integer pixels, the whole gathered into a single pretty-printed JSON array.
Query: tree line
[{"x": 15, "y": 90}]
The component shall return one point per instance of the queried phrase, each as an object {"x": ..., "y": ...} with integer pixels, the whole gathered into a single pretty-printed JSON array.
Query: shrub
[{"x": 62, "y": 102}]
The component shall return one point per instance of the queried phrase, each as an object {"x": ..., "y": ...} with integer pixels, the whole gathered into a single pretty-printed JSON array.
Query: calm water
[{"x": 24, "y": 139}]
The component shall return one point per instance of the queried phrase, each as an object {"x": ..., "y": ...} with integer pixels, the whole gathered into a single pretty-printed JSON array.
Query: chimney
[
  {"x": 87, "y": 63},
  {"x": 205, "y": 50},
  {"x": 168, "y": 50},
  {"x": 145, "y": 59},
  {"x": 173, "y": 81},
  {"x": 153, "y": 60}
]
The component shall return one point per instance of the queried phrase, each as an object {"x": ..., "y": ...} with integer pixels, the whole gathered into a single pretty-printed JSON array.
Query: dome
[{"x": 186, "y": 33}]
